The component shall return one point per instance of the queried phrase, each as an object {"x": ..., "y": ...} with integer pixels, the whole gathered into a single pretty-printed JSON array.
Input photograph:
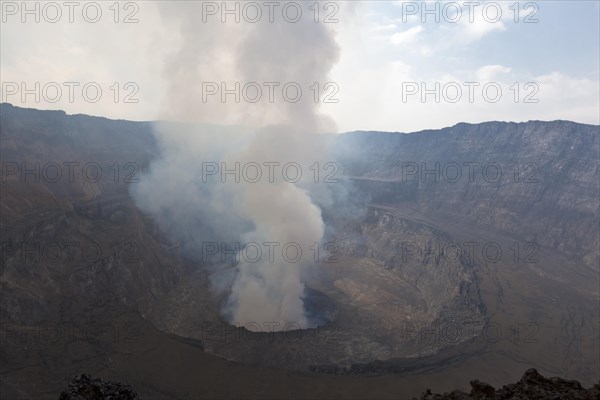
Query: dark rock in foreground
[
  {"x": 531, "y": 386},
  {"x": 83, "y": 387}
]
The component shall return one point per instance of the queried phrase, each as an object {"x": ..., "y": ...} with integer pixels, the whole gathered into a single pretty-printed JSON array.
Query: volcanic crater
[{"x": 369, "y": 305}]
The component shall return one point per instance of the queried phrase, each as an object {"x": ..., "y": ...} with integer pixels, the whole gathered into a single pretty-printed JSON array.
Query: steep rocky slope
[{"x": 60, "y": 243}]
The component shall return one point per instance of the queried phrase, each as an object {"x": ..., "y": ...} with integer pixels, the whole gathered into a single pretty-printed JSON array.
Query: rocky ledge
[{"x": 532, "y": 386}]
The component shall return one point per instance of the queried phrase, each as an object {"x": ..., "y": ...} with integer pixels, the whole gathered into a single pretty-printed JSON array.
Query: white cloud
[
  {"x": 406, "y": 37},
  {"x": 479, "y": 28},
  {"x": 489, "y": 72},
  {"x": 387, "y": 27}
]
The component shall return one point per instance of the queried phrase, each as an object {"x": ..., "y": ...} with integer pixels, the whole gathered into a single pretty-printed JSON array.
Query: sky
[{"x": 398, "y": 68}]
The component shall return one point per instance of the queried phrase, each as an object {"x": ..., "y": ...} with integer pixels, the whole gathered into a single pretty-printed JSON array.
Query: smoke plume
[{"x": 196, "y": 207}]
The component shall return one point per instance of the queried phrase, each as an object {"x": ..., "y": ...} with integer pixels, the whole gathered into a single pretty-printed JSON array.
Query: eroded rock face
[{"x": 531, "y": 386}]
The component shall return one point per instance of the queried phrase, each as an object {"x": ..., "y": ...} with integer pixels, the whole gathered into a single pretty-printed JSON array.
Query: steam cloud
[{"x": 195, "y": 211}]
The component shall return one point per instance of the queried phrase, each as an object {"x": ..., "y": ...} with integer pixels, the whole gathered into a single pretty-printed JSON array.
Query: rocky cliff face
[
  {"x": 538, "y": 180},
  {"x": 70, "y": 233}
]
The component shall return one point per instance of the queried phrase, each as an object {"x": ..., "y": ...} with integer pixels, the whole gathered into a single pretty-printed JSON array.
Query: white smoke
[{"x": 275, "y": 211}]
